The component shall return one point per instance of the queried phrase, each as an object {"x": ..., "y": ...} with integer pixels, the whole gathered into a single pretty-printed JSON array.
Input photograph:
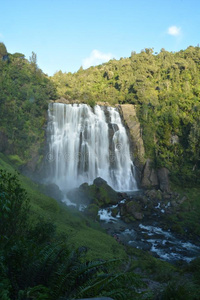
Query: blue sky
[{"x": 68, "y": 34}]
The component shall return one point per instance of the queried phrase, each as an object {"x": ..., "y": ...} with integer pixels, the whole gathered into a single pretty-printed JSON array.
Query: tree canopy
[
  {"x": 165, "y": 87},
  {"x": 24, "y": 95}
]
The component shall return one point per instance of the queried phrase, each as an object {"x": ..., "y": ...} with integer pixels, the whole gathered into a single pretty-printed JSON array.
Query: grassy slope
[{"x": 79, "y": 230}]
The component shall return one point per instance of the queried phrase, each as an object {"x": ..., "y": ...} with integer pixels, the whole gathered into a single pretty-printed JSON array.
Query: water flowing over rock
[{"x": 82, "y": 148}]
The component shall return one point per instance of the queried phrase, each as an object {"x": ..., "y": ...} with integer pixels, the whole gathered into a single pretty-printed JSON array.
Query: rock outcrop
[
  {"x": 149, "y": 176},
  {"x": 163, "y": 178},
  {"x": 128, "y": 112},
  {"x": 152, "y": 178}
]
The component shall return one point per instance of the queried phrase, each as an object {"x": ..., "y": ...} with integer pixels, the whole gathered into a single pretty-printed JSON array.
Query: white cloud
[
  {"x": 96, "y": 58},
  {"x": 1, "y": 35},
  {"x": 174, "y": 30}
]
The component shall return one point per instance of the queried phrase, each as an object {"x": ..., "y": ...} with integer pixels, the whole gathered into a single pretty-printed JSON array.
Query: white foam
[
  {"x": 155, "y": 230},
  {"x": 158, "y": 206},
  {"x": 105, "y": 215},
  {"x": 68, "y": 202}
]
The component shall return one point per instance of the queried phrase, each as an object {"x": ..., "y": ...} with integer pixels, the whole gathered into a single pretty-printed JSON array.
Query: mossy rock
[
  {"x": 106, "y": 193},
  {"x": 133, "y": 206},
  {"x": 114, "y": 212},
  {"x": 131, "y": 218},
  {"x": 99, "y": 193},
  {"x": 92, "y": 211},
  {"x": 131, "y": 211}
]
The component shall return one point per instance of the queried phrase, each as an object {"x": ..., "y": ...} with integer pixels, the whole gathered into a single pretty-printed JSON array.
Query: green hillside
[
  {"x": 78, "y": 230},
  {"x": 24, "y": 95},
  {"x": 48, "y": 251}
]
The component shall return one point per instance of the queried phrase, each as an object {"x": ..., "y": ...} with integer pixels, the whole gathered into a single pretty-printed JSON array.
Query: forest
[
  {"x": 48, "y": 251},
  {"x": 165, "y": 88}
]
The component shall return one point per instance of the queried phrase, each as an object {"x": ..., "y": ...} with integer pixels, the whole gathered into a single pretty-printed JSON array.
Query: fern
[{"x": 119, "y": 285}]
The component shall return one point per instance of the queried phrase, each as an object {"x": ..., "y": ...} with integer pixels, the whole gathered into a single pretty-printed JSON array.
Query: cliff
[{"x": 131, "y": 121}]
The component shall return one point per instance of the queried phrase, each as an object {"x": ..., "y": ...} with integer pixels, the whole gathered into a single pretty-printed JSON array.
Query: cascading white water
[{"x": 85, "y": 144}]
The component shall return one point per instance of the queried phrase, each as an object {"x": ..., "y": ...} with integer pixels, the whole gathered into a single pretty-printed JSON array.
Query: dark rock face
[
  {"x": 163, "y": 179},
  {"x": 155, "y": 179},
  {"x": 149, "y": 176},
  {"x": 128, "y": 112},
  {"x": 99, "y": 182}
]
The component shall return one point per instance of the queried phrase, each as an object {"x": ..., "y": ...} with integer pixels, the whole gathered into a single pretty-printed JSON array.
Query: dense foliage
[
  {"x": 165, "y": 87},
  {"x": 36, "y": 263},
  {"x": 24, "y": 95}
]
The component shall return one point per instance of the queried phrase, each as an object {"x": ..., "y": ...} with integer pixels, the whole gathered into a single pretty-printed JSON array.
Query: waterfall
[{"x": 85, "y": 143}]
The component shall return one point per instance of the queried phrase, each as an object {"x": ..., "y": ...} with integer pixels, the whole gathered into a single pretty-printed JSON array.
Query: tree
[
  {"x": 33, "y": 58},
  {"x": 3, "y": 50},
  {"x": 14, "y": 207}
]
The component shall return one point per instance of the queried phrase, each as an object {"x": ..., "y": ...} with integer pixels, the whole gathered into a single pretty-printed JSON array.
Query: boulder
[
  {"x": 99, "y": 182},
  {"x": 104, "y": 192},
  {"x": 138, "y": 215},
  {"x": 99, "y": 193},
  {"x": 131, "y": 210},
  {"x": 53, "y": 191},
  {"x": 154, "y": 194}
]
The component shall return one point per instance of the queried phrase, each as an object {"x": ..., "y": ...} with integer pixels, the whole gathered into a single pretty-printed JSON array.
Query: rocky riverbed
[
  {"x": 148, "y": 235},
  {"x": 138, "y": 219}
]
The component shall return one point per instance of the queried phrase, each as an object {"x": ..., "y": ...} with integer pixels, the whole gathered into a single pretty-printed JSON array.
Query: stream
[{"x": 148, "y": 236}]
